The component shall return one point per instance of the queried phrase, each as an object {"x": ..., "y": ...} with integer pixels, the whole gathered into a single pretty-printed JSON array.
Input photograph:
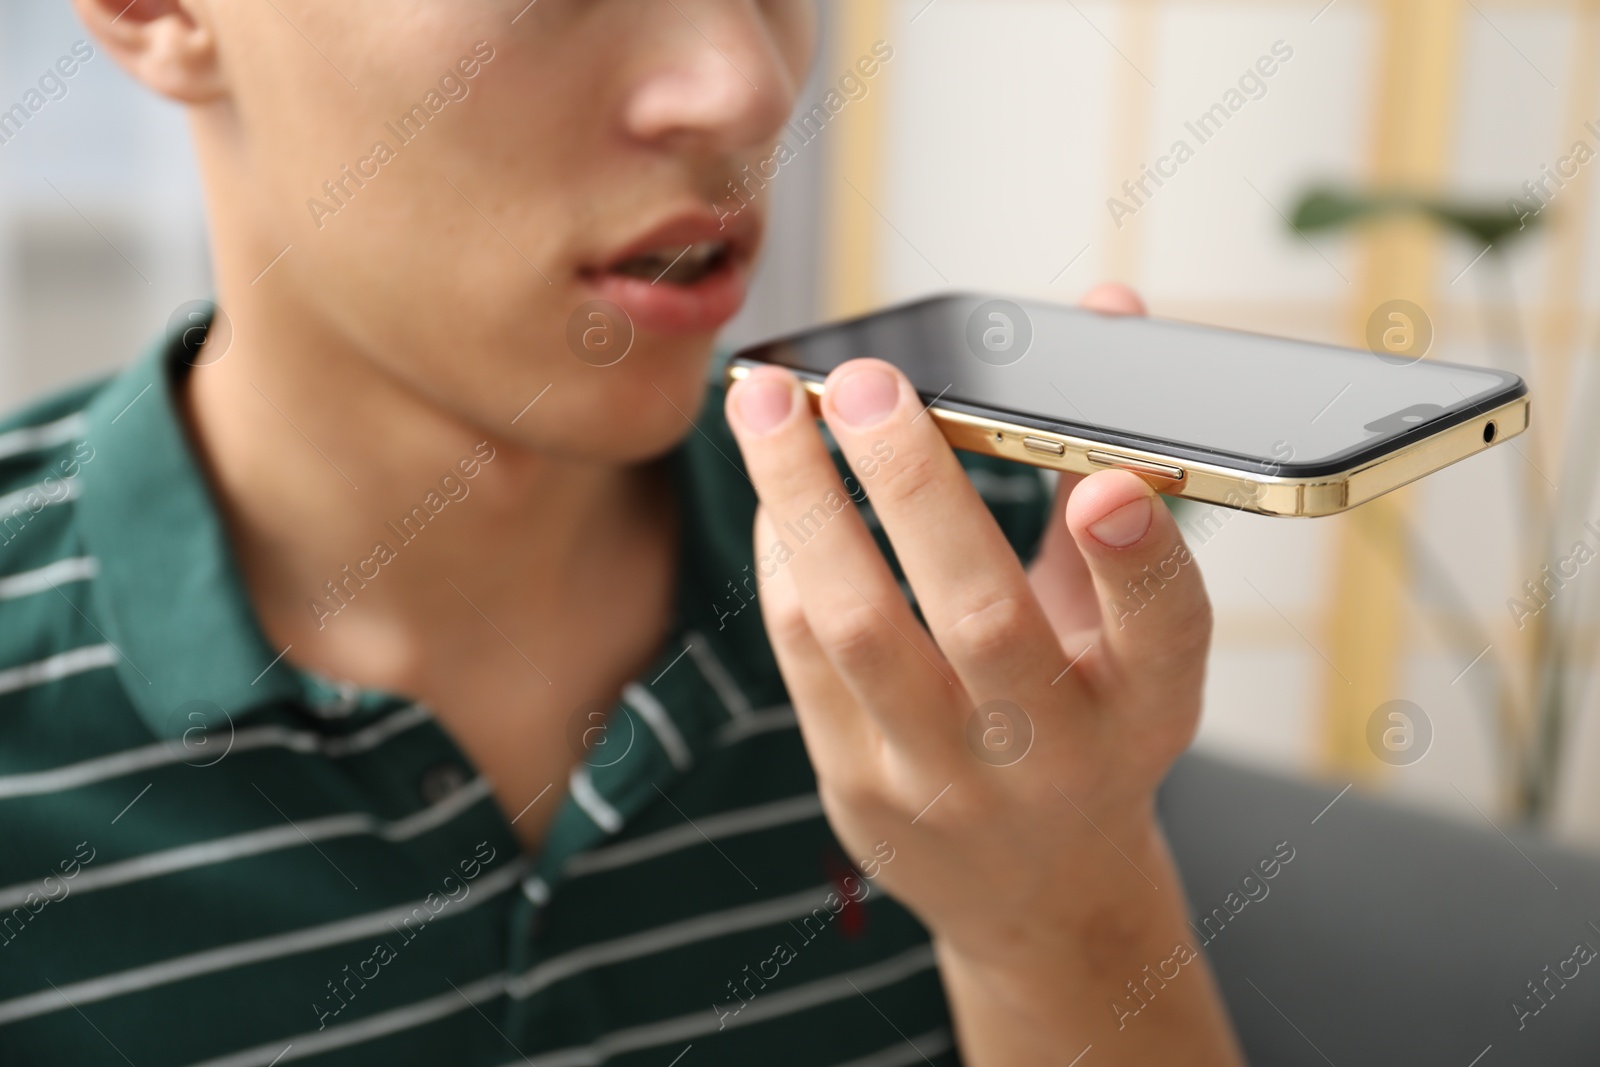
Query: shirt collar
[
  {"x": 173, "y": 602},
  {"x": 169, "y": 593}
]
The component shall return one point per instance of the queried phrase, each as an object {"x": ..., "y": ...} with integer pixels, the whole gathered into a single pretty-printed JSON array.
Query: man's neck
[{"x": 373, "y": 527}]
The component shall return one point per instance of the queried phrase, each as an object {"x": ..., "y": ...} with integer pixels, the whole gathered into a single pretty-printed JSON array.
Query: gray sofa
[{"x": 1391, "y": 936}]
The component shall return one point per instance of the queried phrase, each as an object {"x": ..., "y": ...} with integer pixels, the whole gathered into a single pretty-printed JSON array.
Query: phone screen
[{"x": 1246, "y": 400}]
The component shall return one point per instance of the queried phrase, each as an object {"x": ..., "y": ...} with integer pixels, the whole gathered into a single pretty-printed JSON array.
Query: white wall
[
  {"x": 1013, "y": 121},
  {"x": 91, "y": 268}
]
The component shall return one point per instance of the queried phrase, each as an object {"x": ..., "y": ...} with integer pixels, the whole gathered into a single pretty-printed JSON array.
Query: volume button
[
  {"x": 1044, "y": 445},
  {"x": 1138, "y": 466}
]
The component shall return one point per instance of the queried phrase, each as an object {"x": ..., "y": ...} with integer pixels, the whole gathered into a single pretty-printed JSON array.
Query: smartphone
[{"x": 1242, "y": 420}]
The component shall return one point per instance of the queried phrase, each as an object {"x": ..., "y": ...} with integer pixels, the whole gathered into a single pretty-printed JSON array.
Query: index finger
[
  {"x": 970, "y": 585},
  {"x": 846, "y": 591}
]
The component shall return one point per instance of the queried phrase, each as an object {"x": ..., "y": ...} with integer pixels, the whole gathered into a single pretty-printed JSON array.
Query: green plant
[{"x": 1529, "y": 745}]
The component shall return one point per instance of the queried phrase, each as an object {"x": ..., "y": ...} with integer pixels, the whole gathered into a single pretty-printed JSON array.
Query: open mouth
[
  {"x": 681, "y": 265},
  {"x": 686, "y": 275}
]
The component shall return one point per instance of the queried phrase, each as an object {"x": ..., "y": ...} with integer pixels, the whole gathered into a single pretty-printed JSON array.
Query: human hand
[
  {"x": 997, "y": 860},
  {"x": 1043, "y": 877}
]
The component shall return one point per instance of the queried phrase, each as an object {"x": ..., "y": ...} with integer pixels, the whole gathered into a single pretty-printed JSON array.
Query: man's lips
[
  {"x": 662, "y": 307},
  {"x": 688, "y": 275}
]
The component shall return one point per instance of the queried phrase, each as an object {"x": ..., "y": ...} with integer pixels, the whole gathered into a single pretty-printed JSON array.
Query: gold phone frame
[{"x": 1213, "y": 483}]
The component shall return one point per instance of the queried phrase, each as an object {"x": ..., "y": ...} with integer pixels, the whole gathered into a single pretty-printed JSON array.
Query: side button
[
  {"x": 1040, "y": 444},
  {"x": 1138, "y": 466}
]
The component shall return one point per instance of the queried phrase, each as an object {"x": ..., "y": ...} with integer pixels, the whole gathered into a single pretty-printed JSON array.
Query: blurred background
[{"x": 991, "y": 151}]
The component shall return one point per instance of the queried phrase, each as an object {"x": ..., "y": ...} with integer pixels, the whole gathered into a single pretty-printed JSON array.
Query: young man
[{"x": 375, "y": 685}]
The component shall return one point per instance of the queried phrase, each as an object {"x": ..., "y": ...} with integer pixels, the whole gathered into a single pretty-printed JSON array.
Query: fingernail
[
  {"x": 1124, "y": 526},
  {"x": 865, "y": 397},
  {"x": 764, "y": 402}
]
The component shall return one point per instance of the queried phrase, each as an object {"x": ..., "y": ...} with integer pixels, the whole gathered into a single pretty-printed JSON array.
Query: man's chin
[
  {"x": 658, "y": 420},
  {"x": 634, "y": 419}
]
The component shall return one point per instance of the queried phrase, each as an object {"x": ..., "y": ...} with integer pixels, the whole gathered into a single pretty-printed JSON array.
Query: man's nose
[{"x": 719, "y": 78}]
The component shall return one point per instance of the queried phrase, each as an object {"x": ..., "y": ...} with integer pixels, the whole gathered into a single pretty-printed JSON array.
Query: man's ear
[{"x": 169, "y": 45}]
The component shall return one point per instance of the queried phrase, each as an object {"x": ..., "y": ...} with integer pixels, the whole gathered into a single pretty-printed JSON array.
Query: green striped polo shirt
[{"x": 210, "y": 857}]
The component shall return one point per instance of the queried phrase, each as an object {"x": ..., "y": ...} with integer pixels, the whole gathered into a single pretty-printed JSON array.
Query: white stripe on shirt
[
  {"x": 655, "y": 716},
  {"x": 762, "y": 1009},
  {"x": 371, "y": 1028},
  {"x": 239, "y": 954},
  {"x": 908, "y": 1051},
  {"x": 45, "y": 435},
  {"x": 256, "y": 842},
  {"x": 593, "y": 804},
  {"x": 146, "y": 757},
  {"x": 15, "y": 502},
  {"x": 54, "y": 668},
  {"x": 710, "y": 827},
  {"x": 757, "y": 722},
  {"x": 682, "y": 1028},
  {"x": 716, "y": 675},
  {"x": 673, "y": 935},
  {"x": 26, "y": 583}
]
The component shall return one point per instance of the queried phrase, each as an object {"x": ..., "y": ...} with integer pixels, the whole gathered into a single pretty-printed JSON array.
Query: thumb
[{"x": 1155, "y": 614}]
